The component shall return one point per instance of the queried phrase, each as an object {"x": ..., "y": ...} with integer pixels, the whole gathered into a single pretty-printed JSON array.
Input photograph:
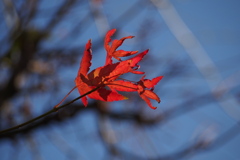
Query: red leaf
[
  {"x": 108, "y": 39},
  {"x": 122, "y": 53},
  {"x": 86, "y": 60},
  {"x": 137, "y": 72},
  {"x": 107, "y": 75},
  {"x": 138, "y": 58},
  {"x": 147, "y": 101},
  {"x": 106, "y": 95},
  {"x": 111, "y": 50},
  {"x": 111, "y": 72},
  {"x": 144, "y": 93},
  {"x": 107, "y": 46},
  {"x": 82, "y": 89},
  {"x": 121, "y": 85},
  {"x": 151, "y": 83},
  {"x": 117, "y": 43},
  {"x": 152, "y": 95}
]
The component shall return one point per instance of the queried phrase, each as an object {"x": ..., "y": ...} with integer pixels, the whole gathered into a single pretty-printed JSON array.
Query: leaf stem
[
  {"x": 65, "y": 97},
  {"x": 55, "y": 109}
]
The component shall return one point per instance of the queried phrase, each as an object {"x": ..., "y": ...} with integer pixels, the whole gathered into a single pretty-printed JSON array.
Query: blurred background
[{"x": 194, "y": 44}]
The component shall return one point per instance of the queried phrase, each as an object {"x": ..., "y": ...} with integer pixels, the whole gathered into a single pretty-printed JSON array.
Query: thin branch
[{"x": 45, "y": 114}]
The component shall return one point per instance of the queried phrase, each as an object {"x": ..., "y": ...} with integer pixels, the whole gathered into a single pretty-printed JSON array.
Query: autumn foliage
[{"x": 108, "y": 76}]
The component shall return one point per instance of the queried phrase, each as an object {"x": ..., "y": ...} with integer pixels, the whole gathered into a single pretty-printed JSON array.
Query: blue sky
[{"x": 213, "y": 28}]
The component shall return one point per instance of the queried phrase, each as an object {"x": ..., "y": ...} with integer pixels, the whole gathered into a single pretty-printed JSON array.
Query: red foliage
[{"x": 108, "y": 75}]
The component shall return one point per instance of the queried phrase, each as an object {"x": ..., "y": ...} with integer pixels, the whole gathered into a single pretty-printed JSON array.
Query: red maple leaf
[
  {"x": 100, "y": 77},
  {"x": 108, "y": 75},
  {"x": 144, "y": 87},
  {"x": 111, "y": 49}
]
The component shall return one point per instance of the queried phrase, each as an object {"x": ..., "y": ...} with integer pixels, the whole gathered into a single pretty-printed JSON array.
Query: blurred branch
[
  {"x": 198, "y": 146},
  {"x": 11, "y": 15},
  {"x": 19, "y": 55},
  {"x": 188, "y": 40},
  {"x": 60, "y": 13},
  {"x": 101, "y": 20},
  {"x": 196, "y": 51},
  {"x": 119, "y": 116},
  {"x": 62, "y": 145},
  {"x": 28, "y": 10},
  {"x": 55, "y": 109}
]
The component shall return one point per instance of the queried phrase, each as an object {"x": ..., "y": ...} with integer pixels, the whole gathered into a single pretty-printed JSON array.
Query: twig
[{"x": 45, "y": 114}]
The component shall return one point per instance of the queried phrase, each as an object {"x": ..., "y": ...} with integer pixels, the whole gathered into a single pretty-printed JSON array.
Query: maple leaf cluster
[{"x": 108, "y": 76}]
